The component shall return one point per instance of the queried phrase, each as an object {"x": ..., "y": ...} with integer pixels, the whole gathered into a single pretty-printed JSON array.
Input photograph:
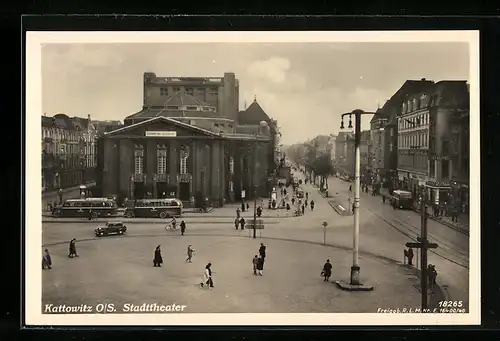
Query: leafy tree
[{"x": 322, "y": 165}]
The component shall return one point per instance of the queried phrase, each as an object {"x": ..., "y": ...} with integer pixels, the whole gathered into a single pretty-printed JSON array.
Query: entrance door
[
  {"x": 162, "y": 190},
  {"x": 184, "y": 193},
  {"x": 139, "y": 190}
]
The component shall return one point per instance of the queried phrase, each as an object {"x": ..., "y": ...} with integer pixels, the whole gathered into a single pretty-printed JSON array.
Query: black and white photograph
[{"x": 208, "y": 178}]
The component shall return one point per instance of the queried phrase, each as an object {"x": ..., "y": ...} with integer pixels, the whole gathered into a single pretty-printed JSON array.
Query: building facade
[
  {"x": 378, "y": 143},
  {"x": 69, "y": 151},
  {"x": 365, "y": 152},
  {"x": 332, "y": 146},
  {"x": 448, "y": 144},
  {"x": 413, "y": 142},
  {"x": 413, "y": 134},
  {"x": 180, "y": 146},
  {"x": 220, "y": 94}
]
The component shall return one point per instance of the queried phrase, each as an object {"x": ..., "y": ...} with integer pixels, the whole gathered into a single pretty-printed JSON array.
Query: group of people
[
  {"x": 173, "y": 225},
  {"x": 258, "y": 260},
  {"x": 47, "y": 259}
]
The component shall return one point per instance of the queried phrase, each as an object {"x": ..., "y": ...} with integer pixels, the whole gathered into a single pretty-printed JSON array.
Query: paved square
[{"x": 119, "y": 270}]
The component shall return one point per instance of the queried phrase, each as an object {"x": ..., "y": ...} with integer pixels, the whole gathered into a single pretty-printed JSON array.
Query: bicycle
[{"x": 171, "y": 227}]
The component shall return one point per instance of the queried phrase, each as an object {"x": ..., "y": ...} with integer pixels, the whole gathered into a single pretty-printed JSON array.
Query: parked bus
[
  {"x": 154, "y": 208},
  {"x": 100, "y": 207}
]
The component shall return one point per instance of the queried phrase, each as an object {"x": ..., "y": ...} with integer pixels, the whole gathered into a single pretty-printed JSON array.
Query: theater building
[{"x": 186, "y": 149}]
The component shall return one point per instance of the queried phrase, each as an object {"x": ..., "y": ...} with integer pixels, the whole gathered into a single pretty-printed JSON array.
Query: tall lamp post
[
  {"x": 263, "y": 125},
  {"x": 355, "y": 269}
]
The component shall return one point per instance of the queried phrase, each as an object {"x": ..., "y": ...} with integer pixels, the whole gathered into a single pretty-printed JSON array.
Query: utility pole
[{"x": 423, "y": 244}]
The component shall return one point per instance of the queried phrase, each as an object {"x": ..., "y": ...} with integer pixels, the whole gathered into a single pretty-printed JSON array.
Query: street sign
[{"x": 418, "y": 245}]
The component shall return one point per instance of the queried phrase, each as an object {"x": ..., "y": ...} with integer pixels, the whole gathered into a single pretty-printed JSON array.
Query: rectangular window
[
  {"x": 138, "y": 162},
  {"x": 161, "y": 161},
  {"x": 164, "y": 91},
  {"x": 183, "y": 164}
]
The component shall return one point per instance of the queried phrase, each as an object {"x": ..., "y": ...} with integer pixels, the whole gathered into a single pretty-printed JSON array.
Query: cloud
[
  {"x": 305, "y": 86},
  {"x": 273, "y": 69}
]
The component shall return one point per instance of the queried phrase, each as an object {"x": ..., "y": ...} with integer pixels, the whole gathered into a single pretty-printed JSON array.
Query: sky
[{"x": 304, "y": 86}]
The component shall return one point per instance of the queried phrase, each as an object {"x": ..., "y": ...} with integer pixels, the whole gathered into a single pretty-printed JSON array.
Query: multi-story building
[
  {"x": 69, "y": 151},
  {"x": 364, "y": 153},
  {"x": 332, "y": 147},
  {"x": 345, "y": 153},
  {"x": 190, "y": 141},
  {"x": 215, "y": 94},
  {"x": 377, "y": 153},
  {"x": 413, "y": 137},
  {"x": 448, "y": 143}
]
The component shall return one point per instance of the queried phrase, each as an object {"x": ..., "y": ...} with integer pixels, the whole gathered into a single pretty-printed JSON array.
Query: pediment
[{"x": 161, "y": 127}]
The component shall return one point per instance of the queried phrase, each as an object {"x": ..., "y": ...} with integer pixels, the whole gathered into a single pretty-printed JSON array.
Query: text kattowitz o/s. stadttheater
[{"x": 112, "y": 308}]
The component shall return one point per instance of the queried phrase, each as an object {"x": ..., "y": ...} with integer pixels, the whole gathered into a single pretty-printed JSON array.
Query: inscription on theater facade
[{"x": 161, "y": 133}]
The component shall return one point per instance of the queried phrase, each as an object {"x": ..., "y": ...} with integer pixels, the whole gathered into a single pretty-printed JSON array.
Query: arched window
[
  {"x": 138, "y": 159},
  {"x": 161, "y": 159},
  {"x": 184, "y": 154}
]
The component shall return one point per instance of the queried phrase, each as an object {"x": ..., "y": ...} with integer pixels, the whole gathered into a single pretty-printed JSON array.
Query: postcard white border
[{"x": 33, "y": 232}]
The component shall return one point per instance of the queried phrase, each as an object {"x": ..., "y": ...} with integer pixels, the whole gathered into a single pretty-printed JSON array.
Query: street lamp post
[
  {"x": 355, "y": 269},
  {"x": 264, "y": 125}
]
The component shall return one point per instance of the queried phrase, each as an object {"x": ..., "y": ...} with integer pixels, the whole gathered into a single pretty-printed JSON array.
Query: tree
[{"x": 323, "y": 167}]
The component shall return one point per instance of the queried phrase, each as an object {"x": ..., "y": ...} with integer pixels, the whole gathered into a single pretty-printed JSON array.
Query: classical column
[{"x": 150, "y": 154}]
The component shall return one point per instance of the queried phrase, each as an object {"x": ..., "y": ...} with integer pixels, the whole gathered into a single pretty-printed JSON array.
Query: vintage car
[{"x": 114, "y": 227}]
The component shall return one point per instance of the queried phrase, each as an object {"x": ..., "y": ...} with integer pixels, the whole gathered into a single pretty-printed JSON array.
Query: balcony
[{"x": 139, "y": 177}]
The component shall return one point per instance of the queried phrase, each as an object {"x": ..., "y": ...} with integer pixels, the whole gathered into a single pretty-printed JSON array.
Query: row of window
[
  {"x": 420, "y": 140},
  {"x": 413, "y": 122},
  {"x": 161, "y": 162},
  {"x": 161, "y": 203},
  {"x": 63, "y": 134},
  {"x": 416, "y": 104},
  {"x": 413, "y": 161},
  {"x": 190, "y": 91},
  {"x": 88, "y": 204}
]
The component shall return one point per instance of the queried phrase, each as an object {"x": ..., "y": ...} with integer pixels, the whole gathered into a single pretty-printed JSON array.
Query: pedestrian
[
  {"x": 305, "y": 202},
  {"x": 293, "y": 201},
  {"x": 312, "y": 205},
  {"x": 350, "y": 188},
  {"x": 72, "y": 248},
  {"x": 284, "y": 191},
  {"x": 236, "y": 222},
  {"x": 89, "y": 217},
  {"x": 207, "y": 277},
  {"x": 327, "y": 270},
  {"x": 353, "y": 208},
  {"x": 287, "y": 206},
  {"x": 190, "y": 252},
  {"x": 307, "y": 196},
  {"x": 303, "y": 209},
  {"x": 262, "y": 253},
  {"x": 409, "y": 256},
  {"x": 248, "y": 206},
  {"x": 431, "y": 275},
  {"x": 242, "y": 206},
  {"x": 242, "y": 223},
  {"x": 260, "y": 265},
  {"x": 157, "y": 260},
  {"x": 46, "y": 260},
  {"x": 183, "y": 227},
  {"x": 383, "y": 199},
  {"x": 238, "y": 212},
  {"x": 255, "y": 262}
]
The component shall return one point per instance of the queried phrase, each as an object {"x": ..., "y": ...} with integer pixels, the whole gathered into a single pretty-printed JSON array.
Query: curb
[
  {"x": 208, "y": 222},
  {"x": 337, "y": 209}
]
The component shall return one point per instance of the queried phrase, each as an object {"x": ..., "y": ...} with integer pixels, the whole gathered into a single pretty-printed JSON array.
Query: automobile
[{"x": 114, "y": 227}]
